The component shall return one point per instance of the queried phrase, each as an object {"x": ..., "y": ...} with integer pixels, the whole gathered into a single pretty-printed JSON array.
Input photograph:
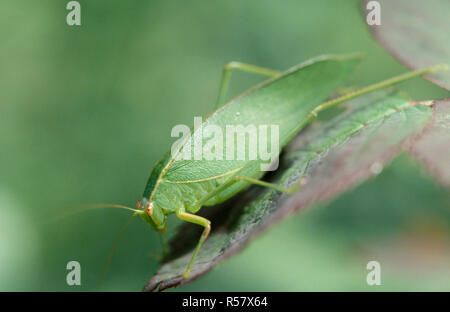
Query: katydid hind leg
[
  {"x": 287, "y": 190},
  {"x": 207, "y": 228},
  {"x": 226, "y": 75}
]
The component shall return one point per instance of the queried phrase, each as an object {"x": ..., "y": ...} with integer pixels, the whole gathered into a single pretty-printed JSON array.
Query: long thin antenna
[
  {"x": 111, "y": 253},
  {"x": 104, "y": 205},
  {"x": 68, "y": 211}
]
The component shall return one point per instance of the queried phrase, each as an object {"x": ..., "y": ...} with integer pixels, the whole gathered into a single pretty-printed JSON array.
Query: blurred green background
[{"x": 86, "y": 111}]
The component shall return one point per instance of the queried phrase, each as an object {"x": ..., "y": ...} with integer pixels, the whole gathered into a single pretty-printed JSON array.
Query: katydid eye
[{"x": 149, "y": 209}]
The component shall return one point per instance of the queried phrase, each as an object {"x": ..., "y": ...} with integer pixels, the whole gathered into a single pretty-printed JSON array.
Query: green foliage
[{"x": 87, "y": 110}]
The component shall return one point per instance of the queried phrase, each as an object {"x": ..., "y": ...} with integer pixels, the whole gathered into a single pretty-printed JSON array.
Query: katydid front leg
[
  {"x": 192, "y": 218},
  {"x": 200, "y": 221}
]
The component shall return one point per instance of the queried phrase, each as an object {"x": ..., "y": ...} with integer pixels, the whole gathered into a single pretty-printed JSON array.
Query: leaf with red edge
[
  {"x": 432, "y": 148},
  {"x": 417, "y": 33}
]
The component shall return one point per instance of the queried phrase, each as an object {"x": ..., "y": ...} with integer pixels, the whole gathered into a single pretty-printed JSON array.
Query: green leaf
[
  {"x": 331, "y": 157},
  {"x": 416, "y": 32}
]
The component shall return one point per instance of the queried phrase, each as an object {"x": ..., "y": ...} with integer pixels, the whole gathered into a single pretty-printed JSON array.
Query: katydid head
[{"x": 152, "y": 214}]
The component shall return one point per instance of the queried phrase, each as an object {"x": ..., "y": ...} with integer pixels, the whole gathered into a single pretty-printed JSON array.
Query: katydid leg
[
  {"x": 376, "y": 86},
  {"x": 287, "y": 190},
  {"x": 243, "y": 67},
  {"x": 200, "y": 221}
]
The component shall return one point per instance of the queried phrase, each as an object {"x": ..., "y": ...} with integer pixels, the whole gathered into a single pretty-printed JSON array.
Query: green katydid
[{"x": 183, "y": 186}]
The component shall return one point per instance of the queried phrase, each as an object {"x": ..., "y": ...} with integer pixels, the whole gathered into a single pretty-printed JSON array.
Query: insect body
[{"x": 290, "y": 100}]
